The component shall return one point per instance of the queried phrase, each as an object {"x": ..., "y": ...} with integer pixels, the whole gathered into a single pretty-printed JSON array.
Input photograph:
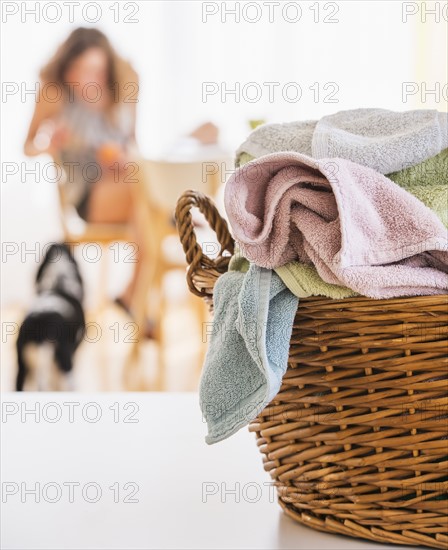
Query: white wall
[{"x": 176, "y": 47}]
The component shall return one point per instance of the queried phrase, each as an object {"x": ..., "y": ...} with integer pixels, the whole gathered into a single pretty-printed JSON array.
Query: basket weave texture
[{"x": 357, "y": 438}]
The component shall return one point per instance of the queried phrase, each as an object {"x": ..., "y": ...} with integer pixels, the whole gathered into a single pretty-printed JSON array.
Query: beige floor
[{"x": 102, "y": 362}]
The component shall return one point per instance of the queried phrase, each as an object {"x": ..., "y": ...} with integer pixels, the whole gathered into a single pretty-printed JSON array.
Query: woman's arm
[
  {"x": 129, "y": 92},
  {"x": 41, "y": 131}
]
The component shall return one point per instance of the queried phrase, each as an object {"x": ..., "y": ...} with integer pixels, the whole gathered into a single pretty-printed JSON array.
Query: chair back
[{"x": 166, "y": 181}]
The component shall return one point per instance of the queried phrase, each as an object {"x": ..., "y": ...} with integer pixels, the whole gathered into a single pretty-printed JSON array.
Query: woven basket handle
[{"x": 203, "y": 271}]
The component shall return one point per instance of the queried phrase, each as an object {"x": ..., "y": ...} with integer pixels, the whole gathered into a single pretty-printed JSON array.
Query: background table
[{"x": 133, "y": 471}]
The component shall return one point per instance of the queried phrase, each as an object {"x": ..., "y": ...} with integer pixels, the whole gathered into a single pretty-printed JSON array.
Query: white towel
[{"x": 386, "y": 141}]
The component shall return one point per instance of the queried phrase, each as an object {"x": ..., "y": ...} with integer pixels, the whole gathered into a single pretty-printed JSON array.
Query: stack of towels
[{"x": 353, "y": 204}]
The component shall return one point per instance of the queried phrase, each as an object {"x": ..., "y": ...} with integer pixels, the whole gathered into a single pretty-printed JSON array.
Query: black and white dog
[{"x": 54, "y": 325}]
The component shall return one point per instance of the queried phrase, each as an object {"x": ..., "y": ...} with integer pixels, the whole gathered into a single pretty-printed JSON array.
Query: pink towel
[{"x": 356, "y": 226}]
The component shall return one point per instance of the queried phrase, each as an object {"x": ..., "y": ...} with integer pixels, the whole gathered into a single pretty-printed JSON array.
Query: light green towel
[
  {"x": 433, "y": 171},
  {"x": 303, "y": 280},
  {"x": 428, "y": 181},
  {"x": 243, "y": 158}
]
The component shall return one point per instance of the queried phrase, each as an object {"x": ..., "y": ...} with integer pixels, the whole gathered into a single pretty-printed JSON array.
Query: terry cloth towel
[
  {"x": 386, "y": 141},
  {"x": 303, "y": 280},
  {"x": 278, "y": 137},
  {"x": 248, "y": 349},
  {"x": 430, "y": 172},
  {"x": 428, "y": 181},
  {"x": 357, "y": 227},
  {"x": 434, "y": 197}
]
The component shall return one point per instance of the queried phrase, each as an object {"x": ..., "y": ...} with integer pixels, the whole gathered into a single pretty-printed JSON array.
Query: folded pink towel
[{"x": 357, "y": 227}]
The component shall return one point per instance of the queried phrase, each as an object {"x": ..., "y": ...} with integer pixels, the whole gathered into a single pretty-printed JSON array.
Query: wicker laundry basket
[{"x": 356, "y": 439}]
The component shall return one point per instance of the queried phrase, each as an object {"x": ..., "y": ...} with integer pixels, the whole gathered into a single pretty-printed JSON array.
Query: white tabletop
[{"x": 182, "y": 493}]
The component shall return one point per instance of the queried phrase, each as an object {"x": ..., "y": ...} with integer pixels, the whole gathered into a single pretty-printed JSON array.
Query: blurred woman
[{"x": 85, "y": 119}]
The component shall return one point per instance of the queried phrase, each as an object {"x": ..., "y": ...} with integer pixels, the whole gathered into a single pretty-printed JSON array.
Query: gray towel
[
  {"x": 248, "y": 351},
  {"x": 275, "y": 138},
  {"x": 386, "y": 141}
]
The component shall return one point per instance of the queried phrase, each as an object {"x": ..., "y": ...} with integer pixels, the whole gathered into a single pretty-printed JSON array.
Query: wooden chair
[
  {"x": 77, "y": 231},
  {"x": 160, "y": 185}
]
